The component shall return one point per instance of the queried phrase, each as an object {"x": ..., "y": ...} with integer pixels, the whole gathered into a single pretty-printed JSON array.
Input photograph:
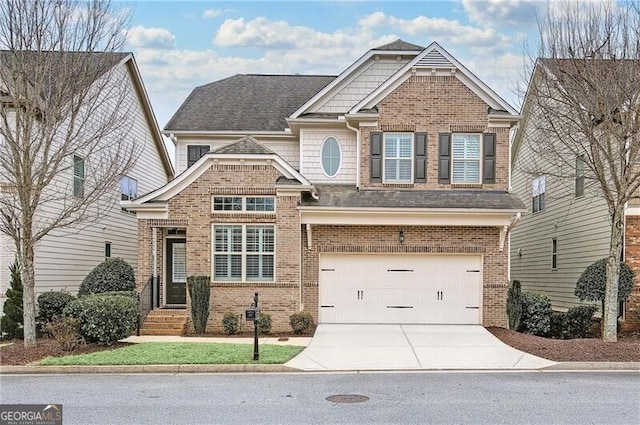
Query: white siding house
[{"x": 65, "y": 256}]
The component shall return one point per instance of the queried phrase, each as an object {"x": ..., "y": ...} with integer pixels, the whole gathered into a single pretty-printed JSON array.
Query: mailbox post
[{"x": 252, "y": 315}]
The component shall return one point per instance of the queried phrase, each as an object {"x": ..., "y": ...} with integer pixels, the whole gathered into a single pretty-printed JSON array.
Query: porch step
[{"x": 164, "y": 322}]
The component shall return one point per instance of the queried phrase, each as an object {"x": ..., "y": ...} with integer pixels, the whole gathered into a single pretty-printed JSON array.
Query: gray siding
[{"x": 581, "y": 226}]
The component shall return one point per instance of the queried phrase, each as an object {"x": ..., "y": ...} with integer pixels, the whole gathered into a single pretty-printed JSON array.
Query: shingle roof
[
  {"x": 246, "y": 102},
  {"x": 349, "y": 197},
  {"x": 246, "y": 146},
  {"x": 399, "y": 45}
]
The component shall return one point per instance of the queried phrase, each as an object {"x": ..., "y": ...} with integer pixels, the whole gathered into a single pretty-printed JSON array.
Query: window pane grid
[
  {"x": 244, "y": 248},
  {"x": 466, "y": 158},
  {"x": 398, "y": 153}
]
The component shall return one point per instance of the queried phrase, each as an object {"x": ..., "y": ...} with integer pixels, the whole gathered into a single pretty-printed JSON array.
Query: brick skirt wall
[{"x": 632, "y": 257}]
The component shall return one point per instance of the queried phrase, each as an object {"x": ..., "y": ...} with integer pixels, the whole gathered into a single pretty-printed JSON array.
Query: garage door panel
[{"x": 400, "y": 288}]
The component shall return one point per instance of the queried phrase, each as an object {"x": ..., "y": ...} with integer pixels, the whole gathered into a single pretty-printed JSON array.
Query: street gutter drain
[{"x": 347, "y": 398}]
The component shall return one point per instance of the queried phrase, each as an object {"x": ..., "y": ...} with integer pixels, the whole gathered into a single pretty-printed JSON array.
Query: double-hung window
[
  {"x": 244, "y": 252},
  {"x": 398, "y": 158},
  {"x": 78, "y": 176},
  {"x": 128, "y": 188},
  {"x": 465, "y": 158},
  {"x": 195, "y": 152},
  {"x": 538, "y": 191}
]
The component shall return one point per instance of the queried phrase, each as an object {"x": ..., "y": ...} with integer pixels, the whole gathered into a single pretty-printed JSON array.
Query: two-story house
[
  {"x": 377, "y": 196},
  {"x": 66, "y": 255},
  {"x": 567, "y": 225}
]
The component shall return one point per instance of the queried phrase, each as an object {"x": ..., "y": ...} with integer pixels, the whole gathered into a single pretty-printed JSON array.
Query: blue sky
[{"x": 183, "y": 44}]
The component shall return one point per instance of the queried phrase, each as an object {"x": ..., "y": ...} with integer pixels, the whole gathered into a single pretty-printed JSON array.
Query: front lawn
[{"x": 153, "y": 353}]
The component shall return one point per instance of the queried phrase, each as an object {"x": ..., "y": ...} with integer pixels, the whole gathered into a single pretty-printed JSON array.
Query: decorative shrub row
[
  {"x": 104, "y": 318},
  {"x": 575, "y": 323},
  {"x": 300, "y": 322},
  {"x": 536, "y": 314},
  {"x": 199, "y": 293}
]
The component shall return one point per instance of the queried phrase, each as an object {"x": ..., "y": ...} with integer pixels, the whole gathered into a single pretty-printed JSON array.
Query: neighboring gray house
[
  {"x": 65, "y": 256},
  {"x": 566, "y": 226}
]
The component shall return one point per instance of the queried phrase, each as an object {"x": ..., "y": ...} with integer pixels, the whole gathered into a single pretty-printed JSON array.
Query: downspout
[
  {"x": 511, "y": 226},
  {"x": 357, "y": 153}
]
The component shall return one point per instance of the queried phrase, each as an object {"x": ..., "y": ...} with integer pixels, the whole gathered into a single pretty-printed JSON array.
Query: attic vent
[{"x": 435, "y": 59}]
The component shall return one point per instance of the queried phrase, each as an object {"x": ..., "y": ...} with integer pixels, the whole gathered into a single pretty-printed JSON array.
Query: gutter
[{"x": 358, "y": 154}]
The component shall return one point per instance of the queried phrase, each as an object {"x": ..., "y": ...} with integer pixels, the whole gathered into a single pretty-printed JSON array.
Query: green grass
[{"x": 153, "y": 353}]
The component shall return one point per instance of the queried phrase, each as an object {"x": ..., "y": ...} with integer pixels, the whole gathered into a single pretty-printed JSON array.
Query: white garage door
[{"x": 400, "y": 288}]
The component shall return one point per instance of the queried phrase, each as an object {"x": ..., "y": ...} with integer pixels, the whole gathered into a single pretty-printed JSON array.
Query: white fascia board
[
  {"x": 407, "y": 217},
  {"x": 466, "y": 76},
  {"x": 178, "y": 184},
  {"x": 227, "y": 133},
  {"x": 338, "y": 80},
  {"x": 296, "y": 189}
]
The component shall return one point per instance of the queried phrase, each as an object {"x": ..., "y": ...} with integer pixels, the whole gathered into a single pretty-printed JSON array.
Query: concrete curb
[
  {"x": 265, "y": 368},
  {"x": 183, "y": 368},
  {"x": 594, "y": 366}
]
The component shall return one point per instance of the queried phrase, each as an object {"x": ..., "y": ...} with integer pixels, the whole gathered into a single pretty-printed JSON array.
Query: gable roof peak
[
  {"x": 399, "y": 44},
  {"x": 247, "y": 145}
]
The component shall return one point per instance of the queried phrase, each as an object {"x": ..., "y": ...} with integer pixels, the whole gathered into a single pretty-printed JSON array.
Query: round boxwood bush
[
  {"x": 114, "y": 274},
  {"x": 536, "y": 314},
  {"x": 104, "y": 318},
  {"x": 230, "y": 323},
  {"x": 592, "y": 282},
  {"x": 300, "y": 322},
  {"x": 52, "y": 304}
]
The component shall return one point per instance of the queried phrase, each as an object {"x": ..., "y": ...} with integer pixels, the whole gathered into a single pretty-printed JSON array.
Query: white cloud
[
  {"x": 211, "y": 13},
  {"x": 500, "y": 13},
  {"x": 150, "y": 38},
  {"x": 442, "y": 30}
]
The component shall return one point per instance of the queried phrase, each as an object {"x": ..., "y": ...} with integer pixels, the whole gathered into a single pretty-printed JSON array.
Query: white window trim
[
  {"x": 540, "y": 178},
  {"x": 340, "y": 161},
  {"x": 384, "y": 159},
  {"x": 243, "y": 253},
  {"x": 480, "y": 156},
  {"x": 82, "y": 178},
  {"x": 243, "y": 209},
  {"x": 554, "y": 253}
]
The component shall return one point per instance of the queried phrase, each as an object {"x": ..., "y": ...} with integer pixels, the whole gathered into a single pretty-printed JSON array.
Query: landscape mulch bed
[{"x": 627, "y": 349}]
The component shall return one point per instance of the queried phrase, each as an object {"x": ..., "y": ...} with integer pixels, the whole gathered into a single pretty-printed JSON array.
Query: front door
[{"x": 176, "y": 277}]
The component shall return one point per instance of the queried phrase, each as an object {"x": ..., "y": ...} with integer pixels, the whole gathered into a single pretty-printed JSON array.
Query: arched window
[{"x": 331, "y": 156}]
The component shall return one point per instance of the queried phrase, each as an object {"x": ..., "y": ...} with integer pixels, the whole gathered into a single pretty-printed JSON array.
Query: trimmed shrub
[
  {"x": 104, "y": 318},
  {"x": 536, "y": 314},
  {"x": 557, "y": 324},
  {"x": 132, "y": 294},
  {"x": 11, "y": 323},
  {"x": 300, "y": 322},
  {"x": 199, "y": 293},
  {"x": 591, "y": 283},
  {"x": 52, "y": 304},
  {"x": 114, "y": 274},
  {"x": 230, "y": 323},
  {"x": 514, "y": 305},
  {"x": 578, "y": 321},
  {"x": 65, "y": 331},
  {"x": 264, "y": 323}
]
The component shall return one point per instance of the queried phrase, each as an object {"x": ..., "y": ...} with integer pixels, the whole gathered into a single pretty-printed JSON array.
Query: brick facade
[
  {"x": 436, "y": 105},
  {"x": 632, "y": 257}
]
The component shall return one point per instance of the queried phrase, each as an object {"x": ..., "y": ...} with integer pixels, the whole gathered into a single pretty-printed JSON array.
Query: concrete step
[{"x": 164, "y": 322}]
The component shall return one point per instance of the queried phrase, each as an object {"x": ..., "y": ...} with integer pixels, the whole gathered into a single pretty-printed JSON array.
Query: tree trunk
[
  {"x": 610, "y": 313},
  {"x": 29, "y": 293}
]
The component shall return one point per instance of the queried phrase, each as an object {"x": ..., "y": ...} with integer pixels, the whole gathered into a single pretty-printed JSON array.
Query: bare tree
[
  {"x": 583, "y": 105},
  {"x": 65, "y": 116}
]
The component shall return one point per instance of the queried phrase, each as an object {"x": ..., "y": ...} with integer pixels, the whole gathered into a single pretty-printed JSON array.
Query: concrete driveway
[{"x": 410, "y": 347}]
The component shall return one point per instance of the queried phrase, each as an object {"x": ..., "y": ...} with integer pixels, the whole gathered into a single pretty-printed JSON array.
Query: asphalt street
[{"x": 301, "y": 398}]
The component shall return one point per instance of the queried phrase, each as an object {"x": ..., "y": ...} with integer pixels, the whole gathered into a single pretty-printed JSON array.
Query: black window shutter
[
  {"x": 420, "y": 154},
  {"x": 376, "y": 157},
  {"x": 444, "y": 158},
  {"x": 489, "y": 158}
]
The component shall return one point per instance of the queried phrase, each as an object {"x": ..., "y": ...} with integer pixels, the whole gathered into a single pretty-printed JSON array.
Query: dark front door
[{"x": 176, "y": 262}]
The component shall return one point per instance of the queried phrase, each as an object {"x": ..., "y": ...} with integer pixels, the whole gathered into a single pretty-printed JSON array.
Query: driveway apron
[{"x": 345, "y": 347}]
